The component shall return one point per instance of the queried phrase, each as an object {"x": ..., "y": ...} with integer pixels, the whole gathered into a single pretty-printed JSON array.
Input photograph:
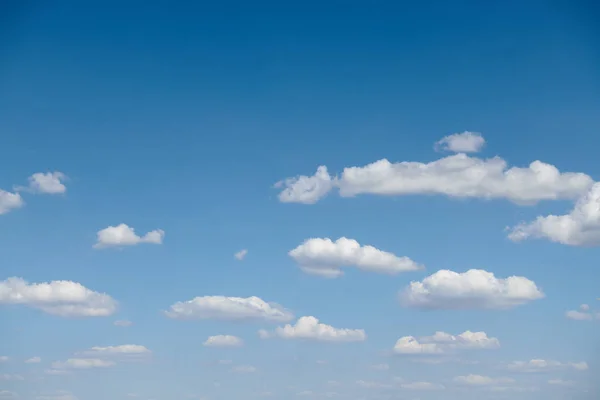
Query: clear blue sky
[{"x": 182, "y": 117}]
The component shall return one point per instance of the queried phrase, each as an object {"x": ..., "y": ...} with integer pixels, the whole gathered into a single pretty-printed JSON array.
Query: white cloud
[
  {"x": 82, "y": 363},
  {"x": 223, "y": 341},
  {"x": 326, "y": 258},
  {"x": 480, "y": 380},
  {"x": 56, "y": 372},
  {"x": 33, "y": 360},
  {"x": 3, "y": 358},
  {"x": 581, "y": 227},
  {"x": 11, "y": 377},
  {"x": 579, "y": 315},
  {"x": 123, "y": 323},
  {"x": 62, "y": 298},
  {"x": 123, "y": 235},
  {"x": 373, "y": 384},
  {"x": 306, "y": 189},
  {"x": 244, "y": 369},
  {"x": 311, "y": 329},
  {"x": 466, "y": 142},
  {"x": 473, "y": 289},
  {"x": 229, "y": 308},
  {"x": 121, "y": 350},
  {"x": 538, "y": 365},
  {"x": 459, "y": 176},
  {"x": 240, "y": 255},
  {"x": 442, "y": 342},
  {"x": 48, "y": 183},
  {"x": 10, "y": 201}
]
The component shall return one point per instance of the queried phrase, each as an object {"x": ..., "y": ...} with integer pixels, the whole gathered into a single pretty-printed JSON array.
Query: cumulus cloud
[
  {"x": 229, "y": 308},
  {"x": 472, "y": 289},
  {"x": 583, "y": 314},
  {"x": 223, "y": 341},
  {"x": 458, "y": 176},
  {"x": 33, "y": 360},
  {"x": 10, "y": 201},
  {"x": 466, "y": 142},
  {"x": 82, "y": 363},
  {"x": 121, "y": 350},
  {"x": 123, "y": 323},
  {"x": 46, "y": 183},
  {"x": 442, "y": 342},
  {"x": 62, "y": 298},
  {"x": 240, "y": 255},
  {"x": 310, "y": 328},
  {"x": 326, "y": 258},
  {"x": 480, "y": 380},
  {"x": 306, "y": 189},
  {"x": 538, "y": 365},
  {"x": 123, "y": 235},
  {"x": 581, "y": 227}
]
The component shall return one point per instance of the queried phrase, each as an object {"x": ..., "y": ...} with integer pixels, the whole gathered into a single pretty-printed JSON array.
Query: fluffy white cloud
[
  {"x": 11, "y": 377},
  {"x": 458, "y": 175},
  {"x": 240, "y": 255},
  {"x": 581, "y": 227},
  {"x": 82, "y": 363},
  {"x": 442, "y": 342},
  {"x": 123, "y": 323},
  {"x": 466, "y": 142},
  {"x": 223, "y": 341},
  {"x": 480, "y": 380},
  {"x": 306, "y": 189},
  {"x": 326, "y": 258},
  {"x": 311, "y": 329},
  {"x": 583, "y": 314},
  {"x": 123, "y": 235},
  {"x": 229, "y": 308},
  {"x": 48, "y": 183},
  {"x": 9, "y": 201},
  {"x": 121, "y": 350},
  {"x": 537, "y": 365},
  {"x": 33, "y": 360},
  {"x": 62, "y": 298},
  {"x": 472, "y": 289}
]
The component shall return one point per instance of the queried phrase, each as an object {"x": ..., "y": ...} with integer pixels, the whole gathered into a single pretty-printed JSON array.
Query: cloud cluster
[
  {"x": 62, "y": 298},
  {"x": 581, "y": 227},
  {"x": 124, "y": 235},
  {"x": 442, "y": 342},
  {"x": 472, "y": 289},
  {"x": 39, "y": 183},
  {"x": 229, "y": 308},
  {"x": 458, "y": 175},
  {"x": 325, "y": 257},
  {"x": 309, "y": 328}
]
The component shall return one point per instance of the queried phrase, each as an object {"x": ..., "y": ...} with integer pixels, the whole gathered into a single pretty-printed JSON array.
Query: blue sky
[{"x": 180, "y": 119}]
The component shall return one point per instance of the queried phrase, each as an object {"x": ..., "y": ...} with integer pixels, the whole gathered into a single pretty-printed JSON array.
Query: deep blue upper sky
[{"x": 181, "y": 116}]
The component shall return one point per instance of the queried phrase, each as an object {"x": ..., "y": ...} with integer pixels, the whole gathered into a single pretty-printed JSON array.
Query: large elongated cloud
[
  {"x": 327, "y": 258},
  {"x": 458, "y": 175},
  {"x": 472, "y": 289},
  {"x": 121, "y": 350},
  {"x": 310, "y": 328},
  {"x": 581, "y": 227},
  {"x": 62, "y": 298},
  {"x": 229, "y": 308},
  {"x": 123, "y": 235},
  {"x": 442, "y": 342}
]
